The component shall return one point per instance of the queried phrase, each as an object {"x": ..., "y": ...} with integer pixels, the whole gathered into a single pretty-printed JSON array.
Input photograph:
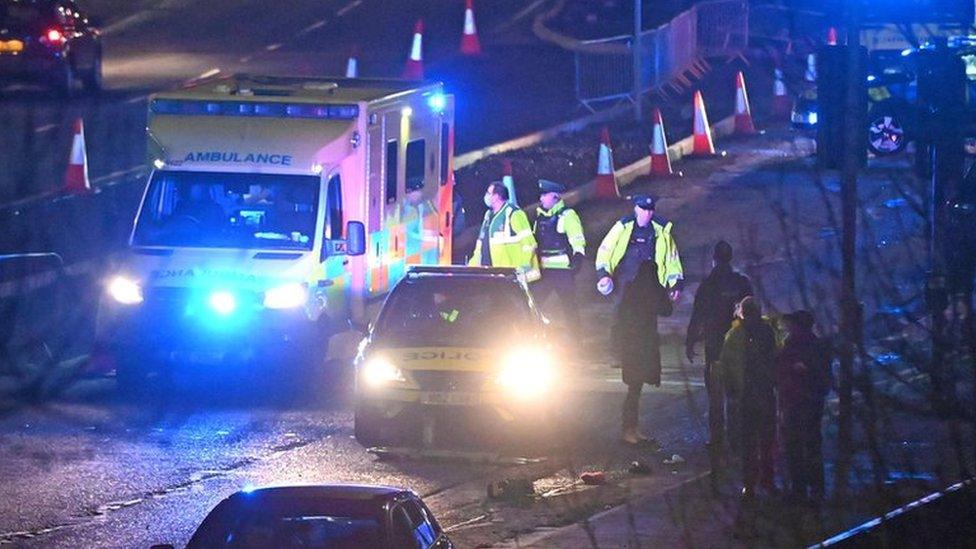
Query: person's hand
[
  {"x": 675, "y": 295},
  {"x": 690, "y": 352},
  {"x": 605, "y": 285},
  {"x": 576, "y": 263}
]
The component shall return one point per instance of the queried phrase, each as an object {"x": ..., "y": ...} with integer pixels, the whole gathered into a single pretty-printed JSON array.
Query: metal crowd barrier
[{"x": 605, "y": 74}]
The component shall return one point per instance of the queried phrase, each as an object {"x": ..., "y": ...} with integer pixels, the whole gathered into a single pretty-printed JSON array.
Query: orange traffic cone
[
  {"x": 660, "y": 162},
  {"x": 703, "y": 145},
  {"x": 470, "y": 44},
  {"x": 76, "y": 177},
  {"x": 743, "y": 114},
  {"x": 782, "y": 104},
  {"x": 832, "y": 36},
  {"x": 415, "y": 63},
  {"x": 509, "y": 182},
  {"x": 606, "y": 181},
  {"x": 352, "y": 64}
]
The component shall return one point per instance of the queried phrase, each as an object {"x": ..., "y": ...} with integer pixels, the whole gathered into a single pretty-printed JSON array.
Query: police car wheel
[
  {"x": 886, "y": 135},
  {"x": 367, "y": 426}
]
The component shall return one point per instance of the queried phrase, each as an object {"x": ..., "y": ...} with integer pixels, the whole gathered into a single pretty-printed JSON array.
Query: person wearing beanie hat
[
  {"x": 748, "y": 366},
  {"x": 562, "y": 250},
  {"x": 711, "y": 318}
]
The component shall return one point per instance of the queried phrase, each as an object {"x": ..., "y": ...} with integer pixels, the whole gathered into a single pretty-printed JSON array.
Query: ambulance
[{"x": 275, "y": 209}]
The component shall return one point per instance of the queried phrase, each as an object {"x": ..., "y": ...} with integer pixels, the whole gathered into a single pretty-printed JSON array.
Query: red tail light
[{"x": 53, "y": 37}]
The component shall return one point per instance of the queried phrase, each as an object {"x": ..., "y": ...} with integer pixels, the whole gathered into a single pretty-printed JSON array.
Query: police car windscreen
[
  {"x": 453, "y": 311},
  {"x": 229, "y": 210}
]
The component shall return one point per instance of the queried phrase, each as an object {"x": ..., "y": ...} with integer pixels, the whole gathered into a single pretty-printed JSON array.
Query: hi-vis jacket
[
  {"x": 510, "y": 242},
  {"x": 559, "y": 234},
  {"x": 614, "y": 246}
]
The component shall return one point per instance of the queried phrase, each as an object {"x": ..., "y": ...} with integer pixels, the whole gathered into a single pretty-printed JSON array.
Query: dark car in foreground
[
  {"x": 49, "y": 42},
  {"x": 324, "y": 516}
]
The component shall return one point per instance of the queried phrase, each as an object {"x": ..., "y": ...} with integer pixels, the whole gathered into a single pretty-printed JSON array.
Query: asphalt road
[{"x": 518, "y": 86}]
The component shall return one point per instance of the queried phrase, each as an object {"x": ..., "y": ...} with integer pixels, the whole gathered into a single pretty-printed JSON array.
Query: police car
[{"x": 454, "y": 343}]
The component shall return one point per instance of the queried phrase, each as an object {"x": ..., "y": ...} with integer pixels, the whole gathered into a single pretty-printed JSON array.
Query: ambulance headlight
[
  {"x": 286, "y": 296},
  {"x": 378, "y": 372},
  {"x": 223, "y": 302},
  {"x": 125, "y": 290},
  {"x": 527, "y": 373}
]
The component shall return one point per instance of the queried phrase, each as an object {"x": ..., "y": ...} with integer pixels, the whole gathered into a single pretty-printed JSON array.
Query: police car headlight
[
  {"x": 527, "y": 372},
  {"x": 378, "y": 372},
  {"x": 125, "y": 290},
  {"x": 287, "y": 296}
]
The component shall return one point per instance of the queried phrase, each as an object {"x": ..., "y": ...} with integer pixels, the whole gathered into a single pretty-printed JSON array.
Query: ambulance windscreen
[{"x": 229, "y": 210}]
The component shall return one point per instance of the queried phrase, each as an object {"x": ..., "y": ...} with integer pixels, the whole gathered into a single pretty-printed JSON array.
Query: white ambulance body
[{"x": 276, "y": 206}]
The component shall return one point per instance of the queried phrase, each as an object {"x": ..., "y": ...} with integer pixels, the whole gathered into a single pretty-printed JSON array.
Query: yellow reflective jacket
[
  {"x": 666, "y": 256},
  {"x": 510, "y": 241},
  {"x": 569, "y": 225}
]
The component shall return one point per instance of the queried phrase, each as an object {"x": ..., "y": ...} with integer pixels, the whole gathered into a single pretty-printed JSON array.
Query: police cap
[
  {"x": 643, "y": 201},
  {"x": 546, "y": 186}
]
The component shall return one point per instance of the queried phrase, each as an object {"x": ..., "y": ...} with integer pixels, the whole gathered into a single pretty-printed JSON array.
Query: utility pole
[
  {"x": 637, "y": 52},
  {"x": 854, "y": 130}
]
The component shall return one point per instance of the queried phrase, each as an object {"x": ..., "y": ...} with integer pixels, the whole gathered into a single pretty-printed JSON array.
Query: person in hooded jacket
[
  {"x": 748, "y": 366},
  {"x": 637, "y": 342},
  {"x": 803, "y": 381}
]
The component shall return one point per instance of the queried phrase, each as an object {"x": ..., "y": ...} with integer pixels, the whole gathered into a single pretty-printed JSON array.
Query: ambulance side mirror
[
  {"x": 353, "y": 244},
  {"x": 355, "y": 238}
]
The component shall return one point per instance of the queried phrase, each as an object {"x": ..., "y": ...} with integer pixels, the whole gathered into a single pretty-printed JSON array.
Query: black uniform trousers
[{"x": 561, "y": 282}]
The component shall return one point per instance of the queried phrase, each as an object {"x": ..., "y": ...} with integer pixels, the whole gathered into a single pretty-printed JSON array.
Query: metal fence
[{"x": 604, "y": 68}]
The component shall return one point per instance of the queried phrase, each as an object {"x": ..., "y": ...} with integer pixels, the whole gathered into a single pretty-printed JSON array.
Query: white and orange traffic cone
[
  {"x": 415, "y": 63},
  {"x": 703, "y": 145},
  {"x": 660, "y": 161},
  {"x": 832, "y": 36},
  {"x": 352, "y": 64},
  {"x": 811, "y": 73},
  {"x": 606, "y": 181},
  {"x": 509, "y": 182},
  {"x": 470, "y": 44},
  {"x": 782, "y": 104},
  {"x": 76, "y": 177},
  {"x": 743, "y": 114}
]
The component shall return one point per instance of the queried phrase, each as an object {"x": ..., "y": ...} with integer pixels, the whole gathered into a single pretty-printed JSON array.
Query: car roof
[
  {"x": 434, "y": 271},
  {"x": 330, "y": 491}
]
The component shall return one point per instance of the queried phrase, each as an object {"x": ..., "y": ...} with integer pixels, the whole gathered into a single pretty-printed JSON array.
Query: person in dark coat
[
  {"x": 803, "y": 381},
  {"x": 711, "y": 318},
  {"x": 637, "y": 341},
  {"x": 748, "y": 365}
]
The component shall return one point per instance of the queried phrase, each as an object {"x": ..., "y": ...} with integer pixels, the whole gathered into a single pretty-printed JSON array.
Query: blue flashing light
[
  {"x": 189, "y": 107},
  {"x": 222, "y": 302},
  {"x": 872, "y": 78},
  {"x": 437, "y": 102},
  {"x": 248, "y": 488},
  {"x": 907, "y": 51}
]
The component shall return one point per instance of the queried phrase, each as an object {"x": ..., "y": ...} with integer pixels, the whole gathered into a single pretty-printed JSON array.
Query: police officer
[
  {"x": 562, "y": 249},
  {"x": 639, "y": 257},
  {"x": 506, "y": 238},
  {"x": 633, "y": 240}
]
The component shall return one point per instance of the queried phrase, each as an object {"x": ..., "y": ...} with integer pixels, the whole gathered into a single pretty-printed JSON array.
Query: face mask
[{"x": 488, "y": 200}]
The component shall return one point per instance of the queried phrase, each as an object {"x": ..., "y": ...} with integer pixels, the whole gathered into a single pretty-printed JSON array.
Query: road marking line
[
  {"x": 212, "y": 72},
  {"x": 349, "y": 7},
  {"x": 246, "y": 59},
  {"x": 272, "y": 47},
  {"x": 313, "y": 26},
  {"x": 45, "y": 128},
  {"x": 136, "y": 99},
  {"x": 121, "y": 175}
]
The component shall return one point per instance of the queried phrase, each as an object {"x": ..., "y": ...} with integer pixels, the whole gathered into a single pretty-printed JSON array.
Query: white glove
[{"x": 605, "y": 285}]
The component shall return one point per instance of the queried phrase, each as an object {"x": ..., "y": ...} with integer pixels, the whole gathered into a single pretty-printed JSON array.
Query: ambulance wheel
[{"x": 368, "y": 426}]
